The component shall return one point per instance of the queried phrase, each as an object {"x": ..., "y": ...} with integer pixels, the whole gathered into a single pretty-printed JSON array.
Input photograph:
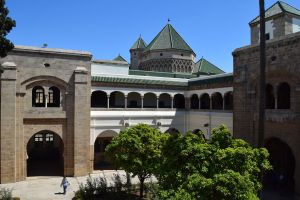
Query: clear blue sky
[{"x": 213, "y": 28}]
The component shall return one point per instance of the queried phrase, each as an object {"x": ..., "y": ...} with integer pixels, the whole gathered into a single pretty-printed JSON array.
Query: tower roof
[
  {"x": 139, "y": 44},
  {"x": 278, "y": 8},
  {"x": 205, "y": 67},
  {"x": 119, "y": 58},
  {"x": 168, "y": 38}
]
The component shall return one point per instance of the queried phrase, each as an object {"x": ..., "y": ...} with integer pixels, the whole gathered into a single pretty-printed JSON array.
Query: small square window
[
  {"x": 161, "y": 54},
  {"x": 267, "y": 36}
]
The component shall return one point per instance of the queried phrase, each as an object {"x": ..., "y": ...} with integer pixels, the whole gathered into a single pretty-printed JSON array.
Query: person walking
[{"x": 64, "y": 183}]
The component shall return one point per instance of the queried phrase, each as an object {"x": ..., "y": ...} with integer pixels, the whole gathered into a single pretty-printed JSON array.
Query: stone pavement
[{"x": 48, "y": 188}]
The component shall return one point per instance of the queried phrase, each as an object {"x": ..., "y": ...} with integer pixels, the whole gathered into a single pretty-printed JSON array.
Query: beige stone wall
[{"x": 283, "y": 65}]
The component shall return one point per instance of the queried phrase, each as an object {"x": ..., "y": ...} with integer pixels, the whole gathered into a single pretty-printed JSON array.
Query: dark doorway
[
  {"x": 281, "y": 178},
  {"x": 45, "y": 155},
  {"x": 102, "y": 161}
]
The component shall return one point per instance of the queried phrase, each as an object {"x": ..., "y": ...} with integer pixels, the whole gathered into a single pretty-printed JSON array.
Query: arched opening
[
  {"x": 194, "y": 101},
  {"x": 45, "y": 155},
  {"x": 99, "y": 99},
  {"x": 283, "y": 94},
  {"x": 172, "y": 131},
  {"x": 179, "y": 101},
  {"x": 38, "y": 97},
  {"x": 228, "y": 98},
  {"x": 205, "y": 101},
  {"x": 117, "y": 100},
  {"x": 270, "y": 98},
  {"x": 133, "y": 100},
  {"x": 150, "y": 100},
  {"x": 165, "y": 100},
  {"x": 101, "y": 161},
  {"x": 53, "y": 97},
  {"x": 281, "y": 178},
  {"x": 217, "y": 101}
]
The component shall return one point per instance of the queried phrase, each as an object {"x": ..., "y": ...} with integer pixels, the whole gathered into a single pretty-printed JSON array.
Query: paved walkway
[{"x": 48, "y": 188}]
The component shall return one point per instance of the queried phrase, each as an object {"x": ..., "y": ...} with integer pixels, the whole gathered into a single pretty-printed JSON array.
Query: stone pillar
[
  {"x": 157, "y": 102},
  {"x": 8, "y": 123},
  {"x": 82, "y": 90},
  {"x": 187, "y": 103},
  {"x": 142, "y": 101},
  {"x": 210, "y": 102},
  {"x": 107, "y": 101},
  {"x": 172, "y": 102},
  {"x": 125, "y": 101},
  {"x": 275, "y": 96}
]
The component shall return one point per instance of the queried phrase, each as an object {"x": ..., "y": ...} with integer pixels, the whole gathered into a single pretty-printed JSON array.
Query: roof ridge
[
  {"x": 171, "y": 39},
  {"x": 201, "y": 63}
]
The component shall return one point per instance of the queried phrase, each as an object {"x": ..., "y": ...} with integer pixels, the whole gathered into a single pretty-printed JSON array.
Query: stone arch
[
  {"x": 165, "y": 100},
  {"x": 99, "y": 99},
  {"x": 134, "y": 100},
  {"x": 179, "y": 101},
  {"x": 228, "y": 100},
  {"x": 194, "y": 101},
  {"x": 117, "y": 99},
  {"x": 101, "y": 161},
  {"x": 205, "y": 101},
  {"x": 150, "y": 100},
  {"x": 270, "y": 98},
  {"x": 45, "y": 154},
  {"x": 217, "y": 101},
  {"x": 284, "y": 96},
  {"x": 283, "y": 161}
]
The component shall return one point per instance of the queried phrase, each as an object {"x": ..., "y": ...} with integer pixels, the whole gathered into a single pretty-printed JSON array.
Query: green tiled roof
[
  {"x": 139, "y": 44},
  {"x": 168, "y": 38},
  {"x": 137, "y": 81},
  {"x": 119, "y": 58},
  {"x": 212, "y": 79},
  {"x": 161, "y": 74},
  {"x": 204, "y": 67},
  {"x": 278, "y": 8}
]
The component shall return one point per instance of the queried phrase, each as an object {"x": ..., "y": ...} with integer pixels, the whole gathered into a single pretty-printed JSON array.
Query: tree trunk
[
  {"x": 262, "y": 77},
  {"x": 141, "y": 187}
]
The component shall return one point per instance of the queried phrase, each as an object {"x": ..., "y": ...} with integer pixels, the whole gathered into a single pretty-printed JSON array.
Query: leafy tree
[
  {"x": 138, "y": 151},
  {"x": 219, "y": 168},
  {"x": 6, "y": 24}
]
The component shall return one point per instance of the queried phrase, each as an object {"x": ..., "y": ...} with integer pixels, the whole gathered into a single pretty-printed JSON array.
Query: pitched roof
[
  {"x": 119, "y": 58},
  {"x": 139, "y": 44},
  {"x": 168, "y": 38},
  {"x": 278, "y": 8},
  {"x": 205, "y": 67}
]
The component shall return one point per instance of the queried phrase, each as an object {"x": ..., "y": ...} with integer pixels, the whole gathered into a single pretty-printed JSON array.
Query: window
[
  {"x": 49, "y": 137},
  {"x": 38, "y": 138},
  {"x": 267, "y": 36},
  {"x": 161, "y": 54},
  {"x": 53, "y": 97},
  {"x": 284, "y": 96},
  {"x": 38, "y": 97}
]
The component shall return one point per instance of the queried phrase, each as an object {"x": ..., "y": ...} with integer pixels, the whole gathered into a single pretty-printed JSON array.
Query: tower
[{"x": 136, "y": 52}]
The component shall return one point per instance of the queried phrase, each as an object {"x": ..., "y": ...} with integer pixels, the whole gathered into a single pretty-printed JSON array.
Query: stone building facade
[
  {"x": 282, "y": 119},
  {"x": 45, "y": 96}
]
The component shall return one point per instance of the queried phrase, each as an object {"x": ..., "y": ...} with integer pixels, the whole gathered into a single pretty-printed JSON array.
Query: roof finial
[
  {"x": 169, "y": 20},
  {"x": 140, "y": 35}
]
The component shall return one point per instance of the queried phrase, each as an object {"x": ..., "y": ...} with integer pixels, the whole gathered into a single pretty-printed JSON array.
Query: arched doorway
[
  {"x": 101, "y": 161},
  {"x": 281, "y": 178},
  {"x": 45, "y": 155}
]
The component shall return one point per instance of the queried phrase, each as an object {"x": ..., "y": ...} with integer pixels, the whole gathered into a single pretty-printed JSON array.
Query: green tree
[
  {"x": 6, "y": 24},
  {"x": 137, "y": 150},
  {"x": 219, "y": 168}
]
